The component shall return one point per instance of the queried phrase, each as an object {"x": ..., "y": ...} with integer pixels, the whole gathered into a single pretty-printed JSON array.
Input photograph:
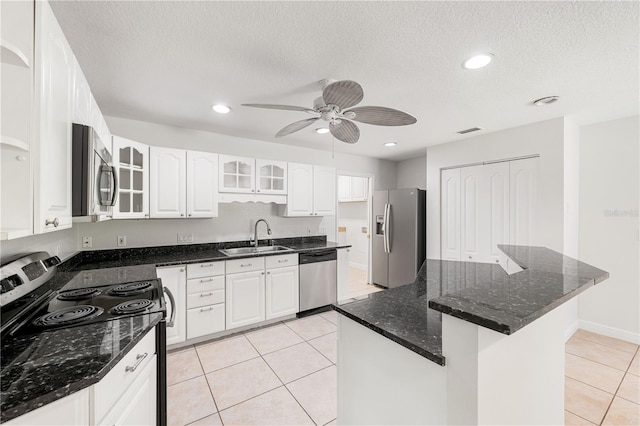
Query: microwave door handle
[{"x": 114, "y": 189}]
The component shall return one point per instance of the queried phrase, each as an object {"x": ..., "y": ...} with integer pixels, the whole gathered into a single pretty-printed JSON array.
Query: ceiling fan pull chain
[{"x": 333, "y": 147}]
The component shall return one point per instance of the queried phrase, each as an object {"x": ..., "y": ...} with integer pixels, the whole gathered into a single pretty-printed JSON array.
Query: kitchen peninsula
[{"x": 496, "y": 356}]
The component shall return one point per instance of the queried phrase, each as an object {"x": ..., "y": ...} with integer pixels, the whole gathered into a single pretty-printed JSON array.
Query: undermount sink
[{"x": 243, "y": 251}]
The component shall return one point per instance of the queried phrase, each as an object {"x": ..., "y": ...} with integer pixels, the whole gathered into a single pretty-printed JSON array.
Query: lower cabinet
[
  {"x": 245, "y": 298},
  {"x": 70, "y": 410},
  {"x": 175, "y": 279},
  {"x": 343, "y": 273},
  {"x": 205, "y": 299},
  {"x": 282, "y": 292}
]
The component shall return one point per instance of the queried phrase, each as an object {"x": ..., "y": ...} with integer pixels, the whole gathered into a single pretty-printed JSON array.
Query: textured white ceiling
[{"x": 168, "y": 62}]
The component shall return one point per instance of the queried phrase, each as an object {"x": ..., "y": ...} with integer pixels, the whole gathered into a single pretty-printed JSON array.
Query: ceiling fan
[{"x": 335, "y": 106}]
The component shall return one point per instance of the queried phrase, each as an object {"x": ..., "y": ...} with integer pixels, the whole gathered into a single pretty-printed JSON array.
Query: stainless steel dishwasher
[{"x": 318, "y": 277}]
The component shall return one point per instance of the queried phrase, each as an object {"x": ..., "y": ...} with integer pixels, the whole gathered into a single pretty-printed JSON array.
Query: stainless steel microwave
[{"x": 94, "y": 178}]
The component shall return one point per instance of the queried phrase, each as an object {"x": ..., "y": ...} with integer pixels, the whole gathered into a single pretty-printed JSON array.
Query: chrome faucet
[{"x": 255, "y": 231}]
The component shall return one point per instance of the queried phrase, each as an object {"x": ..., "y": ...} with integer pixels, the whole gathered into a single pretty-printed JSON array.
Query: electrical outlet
[
  {"x": 185, "y": 238},
  {"x": 87, "y": 242},
  {"x": 122, "y": 241}
]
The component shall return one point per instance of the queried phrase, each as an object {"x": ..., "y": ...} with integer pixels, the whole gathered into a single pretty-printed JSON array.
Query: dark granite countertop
[
  {"x": 481, "y": 293},
  {"x": 38, "y": 369}
]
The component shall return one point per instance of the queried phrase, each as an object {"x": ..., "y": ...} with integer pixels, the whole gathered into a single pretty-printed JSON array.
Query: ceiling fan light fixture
[
  {"x": 322, "y": 130},
  {"x": 221, "y": 108},
  {"x": 477, "y": 61},
  {"x": 390, "y": 143}
]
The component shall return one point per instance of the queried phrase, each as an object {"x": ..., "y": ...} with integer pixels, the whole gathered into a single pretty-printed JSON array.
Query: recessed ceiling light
[
  {"x": 220, "y": 108},
  {"x": 477, "y": 61},
  {"x": 391, "y": 143},
  {"x": 322, "y": 130},
  {"x": 546, "y": 100}
]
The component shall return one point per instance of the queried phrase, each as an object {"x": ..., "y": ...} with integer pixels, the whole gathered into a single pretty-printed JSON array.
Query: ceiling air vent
[{"x": 465, "y": 131}]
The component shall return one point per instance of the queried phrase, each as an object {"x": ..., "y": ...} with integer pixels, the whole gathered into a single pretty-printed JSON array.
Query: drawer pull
[
  {"x": 283, "y": 260},
  {"x": 206, "y": 281},
  {"x": 202, "y": 265},
  {"x": 139, "y": 359},
  {"x": 206, "y": 294},
  {"x": 210, "y": 308},
  {"x": 244, "y": 265}
]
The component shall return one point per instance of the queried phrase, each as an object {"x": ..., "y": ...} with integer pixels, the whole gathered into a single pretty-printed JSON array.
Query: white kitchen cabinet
[
  {"x": 132, "y": 161},
  {"x": 343, "y": 273},
  {"x": 205, "y": 299},
  {"x": 237, "y": 174},
  {"x": 69, "y": 411},
  {"x": 245, "y": 298},
  {"x": 324, "y": 191},
  {"x": 352, "y": 188},
  {"x": 16, "y": 72},
  {"x": 205, "y": 320},
  {"x": 175, "y": 279},
  {"x": 202, "y": 184},
  {"x": 167, "y": 182},
  {"x": 81, "y": 106},
  {"x": 311, "y": 190},
  {"x": 282, "y": 287},
  {"x": 53, "y": 93},
  {"x": 271, "y": 177}
]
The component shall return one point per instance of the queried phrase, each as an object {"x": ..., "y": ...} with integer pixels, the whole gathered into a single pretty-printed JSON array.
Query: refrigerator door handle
[{"x": 387, "y": 211}]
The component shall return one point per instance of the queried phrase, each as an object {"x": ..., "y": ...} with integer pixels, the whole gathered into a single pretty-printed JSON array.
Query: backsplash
[
  {"x": 59, "y": 243},
  {"x": 235, "y": 222}
]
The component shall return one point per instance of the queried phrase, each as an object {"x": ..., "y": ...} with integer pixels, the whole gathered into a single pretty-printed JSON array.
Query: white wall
[
  {"x": 58, "y": 243},
  {"x": 545, "y": 138},
  {"x": 235, "y": 220},
  {"x": 412, "y": 173},
  {"x": 609, "y": 228},
  {"x": 354, "y": 216}
]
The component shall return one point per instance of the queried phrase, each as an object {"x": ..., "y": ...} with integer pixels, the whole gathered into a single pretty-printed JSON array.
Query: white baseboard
[
  {"x": 616, "y": 333},
  {"x": 571, "y": 329},
  {"x": 358, "y": 266}
]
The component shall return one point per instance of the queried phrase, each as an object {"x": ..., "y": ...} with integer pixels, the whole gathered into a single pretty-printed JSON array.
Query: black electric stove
[{"x": 69, "y": 308}]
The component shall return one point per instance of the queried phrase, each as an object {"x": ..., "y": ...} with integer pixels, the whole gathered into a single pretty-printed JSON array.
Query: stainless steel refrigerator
[{"x": 399, "y": 243}]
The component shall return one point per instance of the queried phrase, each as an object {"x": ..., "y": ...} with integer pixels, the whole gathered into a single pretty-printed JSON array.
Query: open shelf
[
  {"x": 11, "y": 54},
  {"x": 9, "y": 142}
]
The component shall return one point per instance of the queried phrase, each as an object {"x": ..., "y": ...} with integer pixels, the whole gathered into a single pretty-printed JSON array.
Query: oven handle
[{"x": 173, "y": 307}]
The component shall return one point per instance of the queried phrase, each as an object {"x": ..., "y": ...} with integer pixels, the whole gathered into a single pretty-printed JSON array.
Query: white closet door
[
  {"x": 523, "y": 193},
  {"x": 474, "y": 215},
  {"x": 450, "y": 214},
  {"x": 496, "y": 203}
]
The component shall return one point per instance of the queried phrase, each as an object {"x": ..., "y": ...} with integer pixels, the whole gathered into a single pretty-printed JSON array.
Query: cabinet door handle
[
  {"x": 244, "y": 265},
  {"x": 283, "y": 260},
  {"x": 139, "y": 359},
  {"x": 182, "y": 270},
  {"x": 55, "y": 222},
  {"x": 181, "y": 214},
  {"x": 263, "y": 273},
  {"x": 210, "y": 308},
  {"x": 206, "y": 294},
  {"x": 202, "y": 265},
  {"x": 268, "y": 273},
  {"x": 206, "y": 281}
]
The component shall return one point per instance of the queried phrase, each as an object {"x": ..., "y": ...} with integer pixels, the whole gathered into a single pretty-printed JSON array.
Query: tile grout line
[
  {"x": 209, "y": 386},
  {"x": 283, "y": 384},
  {"x": 605, "y": 346},
  {"x": 586, "y": 420}
]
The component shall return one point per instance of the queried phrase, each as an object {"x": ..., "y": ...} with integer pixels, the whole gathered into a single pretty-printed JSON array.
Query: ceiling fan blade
[
  {"x": 346, "y": 131},
  {"x": 294, "y": 127},
  {"x": 284, "y": 107},
  {"x": 344, "y": 94},
  {"x": 382, "y": 116}
]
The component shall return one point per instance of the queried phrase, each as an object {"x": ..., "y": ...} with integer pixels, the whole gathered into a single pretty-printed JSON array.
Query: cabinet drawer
[
  {"x": 109, "y": 389},
  {"x": 205, "y": 298},
  {"x": 245, "y": 265},
  {"x": 281, "y": 261},
  {"x": 200, "y": 285},
  {"x": 205, "y": 320},
  {"x": 208, "y": 269}
]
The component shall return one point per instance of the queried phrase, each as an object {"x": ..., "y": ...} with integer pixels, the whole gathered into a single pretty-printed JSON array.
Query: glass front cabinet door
[
  {"x": 132, "y": 162},
  {"x": 237, "y": 174},
  {"x": 271, "y": 177}
]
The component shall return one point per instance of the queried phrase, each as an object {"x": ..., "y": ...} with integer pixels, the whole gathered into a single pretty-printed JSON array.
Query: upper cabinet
[
  {"x": 271, "y": 177},
  {"x": 16, "y": 71},
  {"x": 183, "y": 183},
  {"x": 131, "y": 159},
  {"x": 237, "y": 174},
  {"x": 352, "y": 188},
  {"x": 311, "y": 190},
  {"x": 54, "y": 71}
]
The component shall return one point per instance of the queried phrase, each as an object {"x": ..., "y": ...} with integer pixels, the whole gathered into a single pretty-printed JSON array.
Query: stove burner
[
  {"x": 71, "y": 315},
  {"x": 131, "y": 307},
  {"x": 130, "y": 288},
  {"x": 79, "y": 294}
]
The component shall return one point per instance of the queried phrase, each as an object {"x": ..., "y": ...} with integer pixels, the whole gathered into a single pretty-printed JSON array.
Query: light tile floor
[
  {"x": 284, "y": 374},
  {"x": 358, "y": 284},
  {"x": 602, "y": 381}
]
